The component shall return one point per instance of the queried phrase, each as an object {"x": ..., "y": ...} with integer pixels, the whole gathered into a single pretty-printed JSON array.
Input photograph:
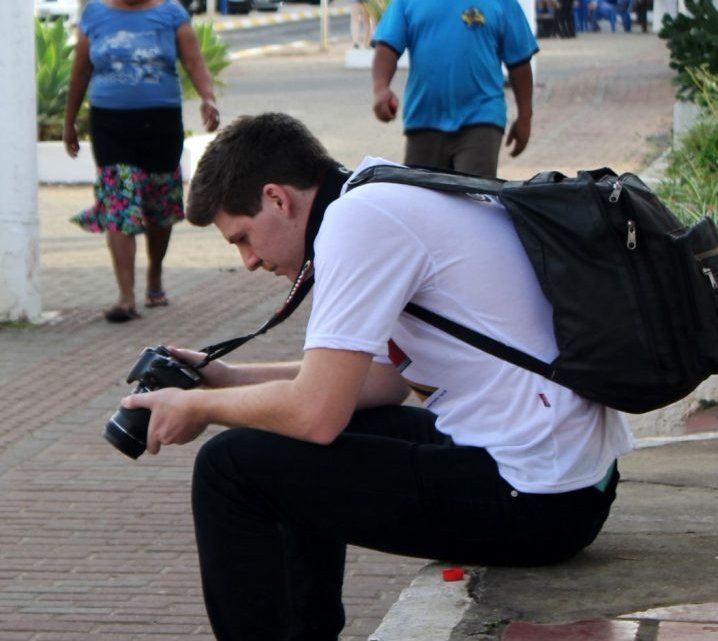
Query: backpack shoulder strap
[
  {"x": 419, "y": 177},
  {"x": 482, "y": 342},
  {"x": 458, "y": 183}
]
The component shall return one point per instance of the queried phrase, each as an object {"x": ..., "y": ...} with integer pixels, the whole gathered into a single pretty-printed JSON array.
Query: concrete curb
[
  {"x": 668, "y": 421},
  {"x": 428, "y": 610},
  {"x": 250, "y": 22}
]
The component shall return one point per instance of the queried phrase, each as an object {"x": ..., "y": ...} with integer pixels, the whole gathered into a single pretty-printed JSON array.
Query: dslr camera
[{"x": 154, "y": 369}]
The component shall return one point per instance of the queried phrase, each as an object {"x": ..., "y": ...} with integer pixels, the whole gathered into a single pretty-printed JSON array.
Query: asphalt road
[{"x": 282, "y": 34}]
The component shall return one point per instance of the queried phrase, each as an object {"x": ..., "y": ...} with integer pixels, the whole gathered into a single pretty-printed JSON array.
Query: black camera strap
[
  {"x": 328, "y": 192},
  {"x": 300, "y": 289}
]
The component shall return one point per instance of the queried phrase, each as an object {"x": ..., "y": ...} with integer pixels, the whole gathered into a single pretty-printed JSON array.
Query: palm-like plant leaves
[
  {"x": 215, "y": 54},
  {"x": 53, "y": 65}
]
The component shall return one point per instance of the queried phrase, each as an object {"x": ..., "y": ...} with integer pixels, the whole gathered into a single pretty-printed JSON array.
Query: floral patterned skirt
[{"x": 127, "y": 197}]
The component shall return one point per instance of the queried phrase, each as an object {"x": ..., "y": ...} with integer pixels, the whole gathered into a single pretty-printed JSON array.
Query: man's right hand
[
  {"x": 69, "y": 137},
  {"x": 386, "y": 105}
]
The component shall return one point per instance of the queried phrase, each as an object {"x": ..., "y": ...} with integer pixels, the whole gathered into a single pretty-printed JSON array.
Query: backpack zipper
[
  {"x": 631, "y": 242},
  {"x": 708, "y": 273},
  {"x": 631, "y": 239},
  {"x": 616, "y": 193}
]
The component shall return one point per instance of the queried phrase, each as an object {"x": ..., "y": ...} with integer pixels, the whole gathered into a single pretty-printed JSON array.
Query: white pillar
[{"x": 19, "y": 238}]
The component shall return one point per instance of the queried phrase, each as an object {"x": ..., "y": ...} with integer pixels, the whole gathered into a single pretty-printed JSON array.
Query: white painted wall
[
  {"x": 529, "y": 7},
  {"x": 54, "y": 166},
  {"x": 671, "y": 7},
  {"x": 19, "y": 237}
]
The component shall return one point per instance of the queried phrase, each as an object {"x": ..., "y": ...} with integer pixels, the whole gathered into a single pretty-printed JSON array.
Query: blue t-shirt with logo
[
  {"x": 134, "y": 55},
  {"x": 456, "y": 48}
]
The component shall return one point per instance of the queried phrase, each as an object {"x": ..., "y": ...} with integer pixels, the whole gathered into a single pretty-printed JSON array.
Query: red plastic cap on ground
[{"x": 453, "y": 574}]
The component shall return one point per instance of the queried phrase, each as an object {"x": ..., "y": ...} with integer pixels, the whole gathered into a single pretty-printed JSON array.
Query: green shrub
[
  {"x": 690, "y": 185},
  {"x": 376, "y": 8},
  {"x": 53, "y": 65},
  {"x": 215, "y": 55},
  {"x": 693, "y": 42}
]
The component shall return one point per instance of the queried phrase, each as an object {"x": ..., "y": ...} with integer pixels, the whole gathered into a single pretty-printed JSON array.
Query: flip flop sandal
[
  {"x": 119, "y": 314},
  {"x": 156, "y": 299}
]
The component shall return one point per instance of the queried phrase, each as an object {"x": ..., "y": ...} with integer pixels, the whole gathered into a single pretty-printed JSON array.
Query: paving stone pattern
[{"x": 94, "y": 546}]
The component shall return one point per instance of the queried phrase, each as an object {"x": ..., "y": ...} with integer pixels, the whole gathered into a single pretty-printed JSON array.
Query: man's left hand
[
  {"x": 173, "y": 418},
  {"x": 519, "y": 134}
]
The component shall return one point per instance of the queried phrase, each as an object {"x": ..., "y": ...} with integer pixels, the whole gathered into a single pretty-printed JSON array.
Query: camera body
[{"x": 154, "y": 369}]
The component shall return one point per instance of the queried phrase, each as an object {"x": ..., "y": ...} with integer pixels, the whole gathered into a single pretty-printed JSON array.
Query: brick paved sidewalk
[{"x": 94, "y": 546}]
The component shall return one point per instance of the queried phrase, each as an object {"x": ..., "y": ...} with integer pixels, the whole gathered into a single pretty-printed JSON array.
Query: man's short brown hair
[{"x": 246, "y": 155}]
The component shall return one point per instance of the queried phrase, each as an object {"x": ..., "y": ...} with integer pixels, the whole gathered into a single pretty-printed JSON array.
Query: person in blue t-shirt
[
  {"x": 127, "y": 52},
  {"x": 455, "y": 110}
]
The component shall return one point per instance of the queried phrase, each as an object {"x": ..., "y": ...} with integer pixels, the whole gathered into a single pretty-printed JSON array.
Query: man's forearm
[
  {"x": 314, "y": 403},
  {"x": 383, "y": 67},
  {"x": 522, "y": 85},
  {"x": 269, "y": 406},
  {"x": 254, "y": 373}
]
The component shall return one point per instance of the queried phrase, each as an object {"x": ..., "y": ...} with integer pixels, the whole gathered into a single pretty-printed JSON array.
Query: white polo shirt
[{"x": 382, "y": 245}]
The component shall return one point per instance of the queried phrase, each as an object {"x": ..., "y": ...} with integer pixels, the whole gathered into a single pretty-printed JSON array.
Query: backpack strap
[
  {"x": 482, "y": 342},
  {"x": 450, "y": 181},
  {"x": 456, "y": 182}
]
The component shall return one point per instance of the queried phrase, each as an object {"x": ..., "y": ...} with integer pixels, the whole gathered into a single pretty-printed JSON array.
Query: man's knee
[
  {"x": 232, "y": 450},
  {"x": 231, "y": 468}
]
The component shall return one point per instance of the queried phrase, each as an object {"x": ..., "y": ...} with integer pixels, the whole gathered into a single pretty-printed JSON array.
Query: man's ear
[{"x": 277, "y": 196}]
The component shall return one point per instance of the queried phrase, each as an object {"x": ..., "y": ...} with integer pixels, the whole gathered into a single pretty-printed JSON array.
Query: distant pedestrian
[
  {"x": 641, "y": 8},
  {"x": 126, "y": 53},
  {"x": 611, "y": 10},
  {"x": 565, "y": 19},
  {"x": 455, "y": 113},
  {"x": 361, "y": 24}
]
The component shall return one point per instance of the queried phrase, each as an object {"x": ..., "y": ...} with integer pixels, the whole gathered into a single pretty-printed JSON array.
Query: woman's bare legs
[
  {"x": 158, "y": 240},
  {"x": 369, "y": 27},
  {"x": 123, "y": 249},
  {"x": 360, "y": 25}
]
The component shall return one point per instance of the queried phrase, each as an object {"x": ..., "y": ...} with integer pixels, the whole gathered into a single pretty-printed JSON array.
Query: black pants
[
  {"x": 273, "y": 516},
  {"x": 564, "y": 19}
]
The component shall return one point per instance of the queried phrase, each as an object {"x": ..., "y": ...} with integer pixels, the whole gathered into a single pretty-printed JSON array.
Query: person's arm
[
  {"x": 196, "y": 68},
  {"x": 384, "y": 65},
  {"x": 314, "y": 406},
  {"x": 218, "y": 373},
  {"x": 383, "y": 385},
  {"x": 522, "y": 84},
  {"x": 79, "y": 81}
]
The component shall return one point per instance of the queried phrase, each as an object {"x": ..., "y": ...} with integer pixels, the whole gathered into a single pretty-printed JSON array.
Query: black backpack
[{"x": 634, "y": 292}]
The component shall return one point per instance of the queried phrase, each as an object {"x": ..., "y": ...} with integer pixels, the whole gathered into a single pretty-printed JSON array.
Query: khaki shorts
[{"x": 472, "y": 150}]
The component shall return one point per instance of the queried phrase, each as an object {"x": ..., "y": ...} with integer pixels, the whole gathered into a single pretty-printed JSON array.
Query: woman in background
[
  {"x": 127, "y": 53},
  {"x": 361, "y": 24}
]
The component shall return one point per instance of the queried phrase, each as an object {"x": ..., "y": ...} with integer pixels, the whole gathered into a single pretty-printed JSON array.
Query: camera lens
[
  {"x": 154, "y": 369},
  {"x": 127, "y": 431}
]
